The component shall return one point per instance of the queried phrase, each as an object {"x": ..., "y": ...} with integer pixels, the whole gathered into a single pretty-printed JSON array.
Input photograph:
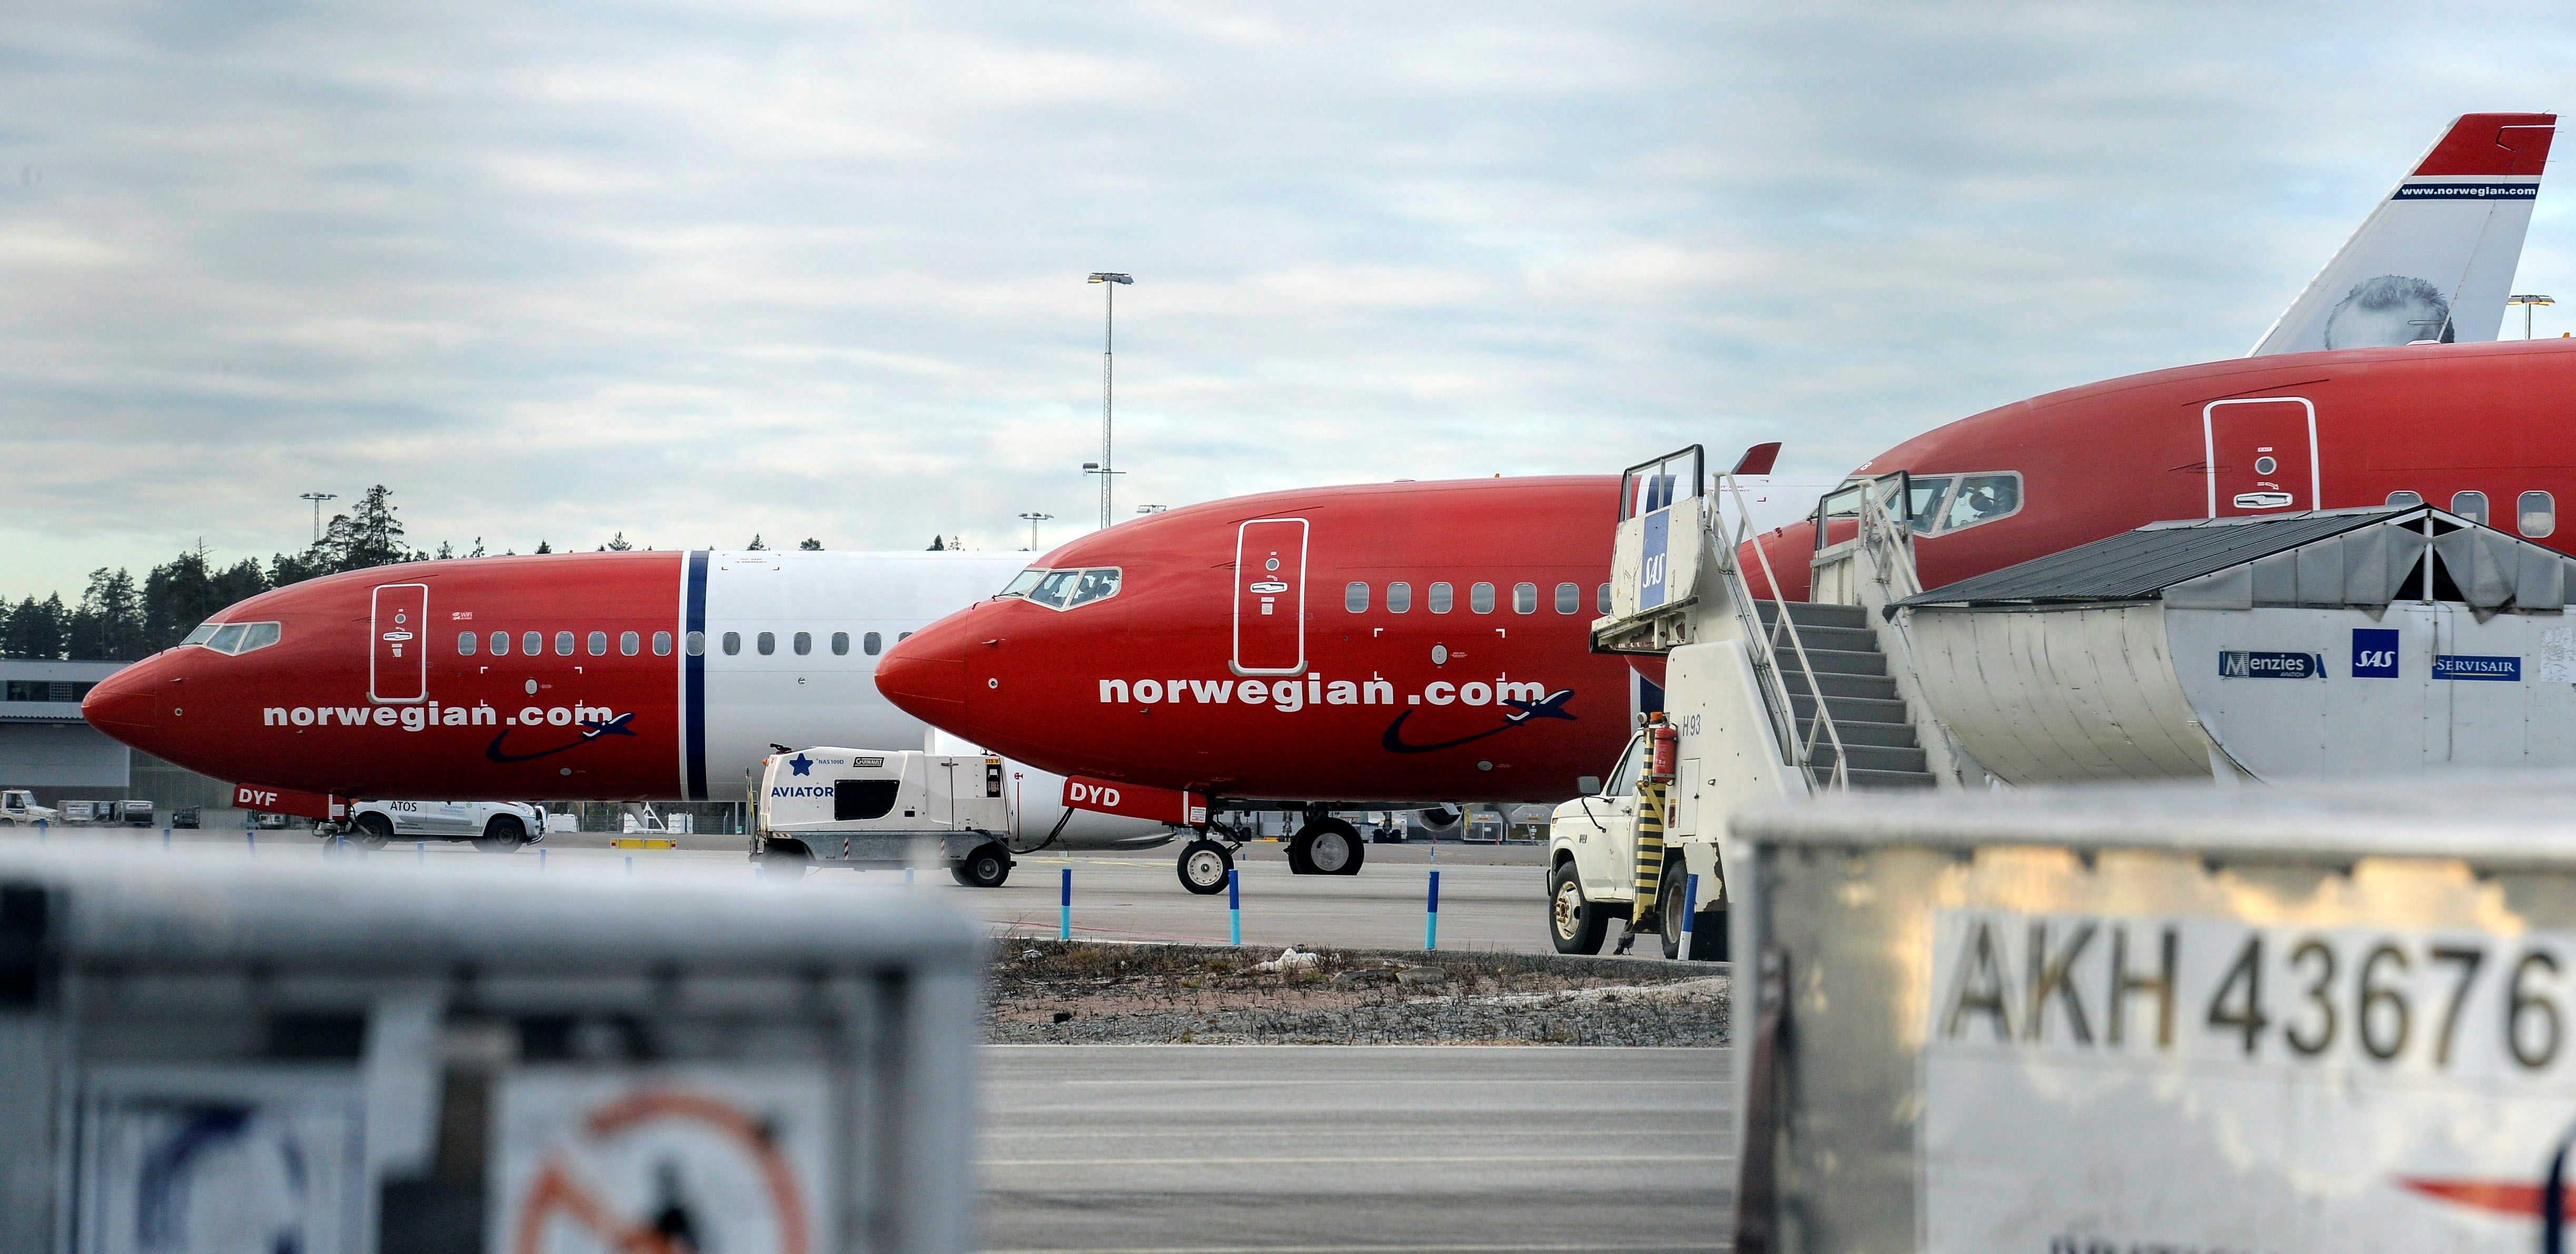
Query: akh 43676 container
[{"x": 2318, "y": 1017}]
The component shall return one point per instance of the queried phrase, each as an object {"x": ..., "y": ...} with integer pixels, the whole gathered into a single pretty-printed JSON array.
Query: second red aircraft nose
[{"x": 925, "y": 676}]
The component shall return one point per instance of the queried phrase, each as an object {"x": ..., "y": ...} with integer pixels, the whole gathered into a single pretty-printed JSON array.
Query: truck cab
[{"x": 17, "y": 805}]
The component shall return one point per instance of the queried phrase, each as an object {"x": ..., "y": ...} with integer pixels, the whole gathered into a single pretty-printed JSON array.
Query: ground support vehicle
[
  {"x": 493, "y": 826},
  {"x": 130, "y": 813},
  {"x": 876, "y": 808},
  {"x": 18, "y": 806},
  {"x": 1763, "y": 699}
]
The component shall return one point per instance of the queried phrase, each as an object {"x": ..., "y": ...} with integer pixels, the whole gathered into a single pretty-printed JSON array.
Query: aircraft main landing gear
[{"x": 1326, "y": 846}]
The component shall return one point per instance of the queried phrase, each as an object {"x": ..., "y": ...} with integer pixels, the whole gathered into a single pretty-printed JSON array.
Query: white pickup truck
[
  {"x": 493, "y": 826},
  {"x": 17, "y": 805},
  {"x": 875, "y": 807}
]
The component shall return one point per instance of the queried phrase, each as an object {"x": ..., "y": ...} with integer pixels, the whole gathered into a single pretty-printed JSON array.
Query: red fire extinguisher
[{"x": 1666, "y": 741}]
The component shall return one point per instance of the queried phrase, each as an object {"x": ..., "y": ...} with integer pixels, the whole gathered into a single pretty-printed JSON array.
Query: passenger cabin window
[
  {"x": 2404, "y": 497},
  {"x": 857, "y": 799},
  {"x": 1569, "y": 598},
  {"x": 563, "y": 644},
  {"x": 500, "y": 644},
  {"x": 599, "y": 644},
  {"x": 2536, "y": 514},
  {"x": 661, "y": 644},
  {"x": 840, "y": 644},
  {"x": 2470, "y": 505},
  {"x": 1480, "y": 598},
  {"x": 467, "y": 642},
  {"x": 532, "y": 643},
  {"x": 629, "y": 643},
  {"x": 766, "y": 642},
  {"x": 1525, "y": 598},
  {"x": 697, "y": 644},
  {"x": 1441, "y": 598},
  {"x": 1399, "y": 598},
  {"x": 802, "y": 642},
  {"x": 1601, "y": 600},
  {"x": 901, "y": 636},
  {"x": 1355, "y": 597},
  {"x": 872, "y": 644},
  {"x": 732, "y": 643}
]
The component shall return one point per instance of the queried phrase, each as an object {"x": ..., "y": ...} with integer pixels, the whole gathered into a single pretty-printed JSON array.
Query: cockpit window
[
  {"x": 1096, "y": 585},
  {"x": 1056, "y": 589},
  {"x": 1981, "y": 499},
  {"x": 1924, "y": 499},
  {"x": 1065, "y": 589},
  {"x": 234, "y": 637}
]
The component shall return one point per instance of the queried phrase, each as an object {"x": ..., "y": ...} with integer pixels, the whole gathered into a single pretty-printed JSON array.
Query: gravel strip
[{"x": 1089, "y": 993}]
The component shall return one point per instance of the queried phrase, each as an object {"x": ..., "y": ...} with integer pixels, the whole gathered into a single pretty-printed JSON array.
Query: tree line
[{"x": 121, "y": 619}]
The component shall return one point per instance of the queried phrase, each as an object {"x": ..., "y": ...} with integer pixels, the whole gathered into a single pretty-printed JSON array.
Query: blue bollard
[
  {"x": 1234, "y": 904},
  {"x": 40, "y": 831},
  {"x": 420, "y": 851},
  {"x": 250, "y": 841},
  {"x": 1431, "y": 916},
  {"x": 165, "y": 838},
  {"x": 630, "y": 866},
  {"x": 907, "y": 877},
  {"x": 1690, "y": 911},
  {"x": 1064, "y": 909},
  {"x": 541, "y": 860}
]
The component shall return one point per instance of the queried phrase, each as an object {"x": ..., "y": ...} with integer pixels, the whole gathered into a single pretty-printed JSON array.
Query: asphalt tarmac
[
  {"x": 1346, "y": 1149},
  {"x": 1491, "y": 898}
]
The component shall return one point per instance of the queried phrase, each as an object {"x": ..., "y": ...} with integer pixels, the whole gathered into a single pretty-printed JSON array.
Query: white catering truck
[{"x": 861, "y": 808}]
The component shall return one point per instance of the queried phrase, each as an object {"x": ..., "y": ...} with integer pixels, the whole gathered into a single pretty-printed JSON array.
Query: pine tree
[
  {"x": 756, "y": 545},
  {"x": 617, "y": 544},
  {"x": 938, "y": 544},
  {"x": 811, "y": 545},
  {"x": 544, "y": 547}
]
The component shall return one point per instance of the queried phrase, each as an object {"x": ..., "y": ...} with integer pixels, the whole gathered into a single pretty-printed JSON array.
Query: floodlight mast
[
  {"x": 1109, "y": 281},
  {"x": 1034, "y": 519},
  {"x": 2528, "y": 303},
  {"x": 318, "y": 497}
]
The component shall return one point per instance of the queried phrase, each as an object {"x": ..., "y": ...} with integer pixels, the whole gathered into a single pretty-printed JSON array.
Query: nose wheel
[{"x": 1204, "y": 866}]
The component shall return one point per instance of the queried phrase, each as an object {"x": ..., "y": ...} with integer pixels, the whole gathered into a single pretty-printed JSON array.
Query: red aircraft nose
[
  {"x": 127, "y": 704},
  {"x": 925, "y": 676}
]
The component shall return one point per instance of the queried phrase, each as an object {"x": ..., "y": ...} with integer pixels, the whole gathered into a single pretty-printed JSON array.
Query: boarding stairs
[{"x": 1845, "y": 669}]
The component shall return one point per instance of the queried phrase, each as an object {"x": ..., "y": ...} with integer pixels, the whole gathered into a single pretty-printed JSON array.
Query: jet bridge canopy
[{"x": 2162, "y": 652}]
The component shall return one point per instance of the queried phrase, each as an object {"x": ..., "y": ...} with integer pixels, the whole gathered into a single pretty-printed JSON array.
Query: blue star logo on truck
[{"x": 801, "y": 764}]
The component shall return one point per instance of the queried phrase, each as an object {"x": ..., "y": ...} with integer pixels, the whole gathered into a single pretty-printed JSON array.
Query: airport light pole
[
  {"x": 1109, "y": 281},
  {"x": 1034, "y": 520},
  {"x": 318, "y": 497},
  {"x": 2527, "y": 302}
]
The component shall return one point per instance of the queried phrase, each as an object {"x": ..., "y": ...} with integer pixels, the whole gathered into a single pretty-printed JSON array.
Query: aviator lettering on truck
[{"x": 2425, "y": 1075}]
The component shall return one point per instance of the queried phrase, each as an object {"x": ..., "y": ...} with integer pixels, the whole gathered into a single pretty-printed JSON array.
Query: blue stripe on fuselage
[{"x": 693, "y": 715}]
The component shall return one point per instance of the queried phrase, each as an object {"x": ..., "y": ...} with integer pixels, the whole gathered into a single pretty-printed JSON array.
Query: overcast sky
[{"x": 696, "y": 271}]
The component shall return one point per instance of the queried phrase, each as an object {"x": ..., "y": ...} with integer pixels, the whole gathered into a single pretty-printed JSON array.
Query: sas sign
[
  {"x": 2265, "y": 664},
  {"x": 2374, "y": 653}
]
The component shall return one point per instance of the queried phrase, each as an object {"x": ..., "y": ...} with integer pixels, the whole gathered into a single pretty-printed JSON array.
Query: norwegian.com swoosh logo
[{"x": 1550, "y": 706}]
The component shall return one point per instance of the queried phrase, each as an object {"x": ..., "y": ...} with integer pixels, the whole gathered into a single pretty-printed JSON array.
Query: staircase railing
[{"x": 1799, "y": 749}]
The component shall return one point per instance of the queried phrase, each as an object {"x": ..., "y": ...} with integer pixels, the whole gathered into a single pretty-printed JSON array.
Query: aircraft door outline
[
  {"x": 2262, "y": 475},
  {"x": 398, "y": 645},
  {"x": 1270, "y": 597}
]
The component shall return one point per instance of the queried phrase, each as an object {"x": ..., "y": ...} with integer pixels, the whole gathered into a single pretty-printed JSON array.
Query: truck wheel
[
  {"x": 375, "y": 831},
  {"x": 1204, "y": 864},
  {"x": 986, "y": 866},
  {"x": 1708, "y": 931},
  {"x": 502, "y": 835},
  {"x": 1575, "y": 926},
  {"x": 785, "y": 863}
]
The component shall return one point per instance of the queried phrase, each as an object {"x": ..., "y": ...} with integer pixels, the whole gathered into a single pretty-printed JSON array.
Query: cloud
[{"x": 692, "y": 271}]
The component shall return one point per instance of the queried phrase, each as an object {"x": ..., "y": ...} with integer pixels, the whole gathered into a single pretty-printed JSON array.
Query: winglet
[{"x": 1757, "y": 460}]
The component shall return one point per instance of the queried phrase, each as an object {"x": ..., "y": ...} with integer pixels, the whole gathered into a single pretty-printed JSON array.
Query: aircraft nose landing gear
[{"x": 1204, "y": 864}]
